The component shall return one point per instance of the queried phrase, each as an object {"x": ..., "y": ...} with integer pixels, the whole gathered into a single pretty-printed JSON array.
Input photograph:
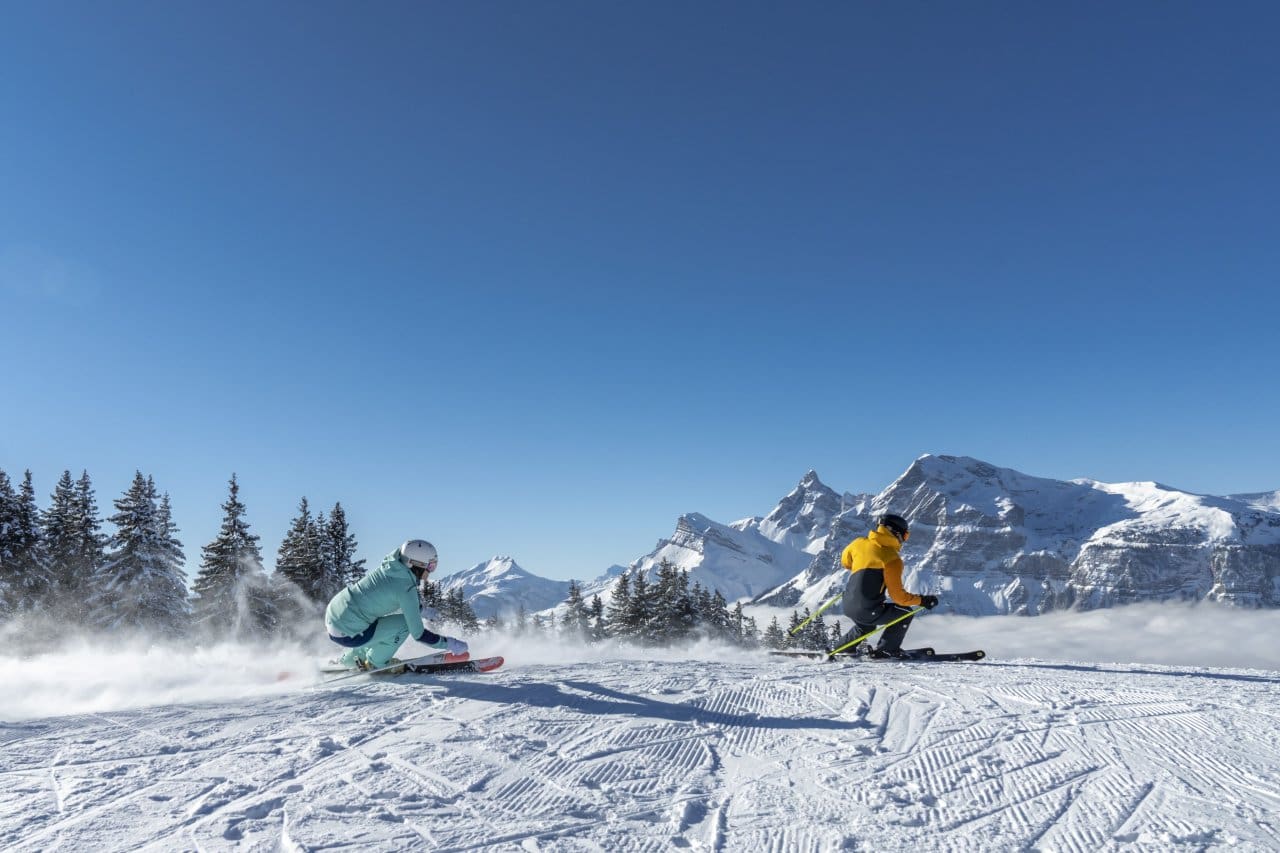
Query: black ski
[
  {"x": 473, "y": 665},
  {"x": 936, "y": 657},
  {"x": 841, "y": 656}
]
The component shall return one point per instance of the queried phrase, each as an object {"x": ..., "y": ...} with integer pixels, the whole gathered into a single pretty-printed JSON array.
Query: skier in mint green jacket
[{"x": 375, "y": 615}]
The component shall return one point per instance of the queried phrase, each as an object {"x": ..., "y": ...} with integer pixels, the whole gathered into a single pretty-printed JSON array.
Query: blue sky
[{"x": 535, "y": 278}]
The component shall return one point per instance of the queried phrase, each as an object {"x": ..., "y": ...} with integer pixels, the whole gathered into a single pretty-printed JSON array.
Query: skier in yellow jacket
[{"x": 877, "y": 568}]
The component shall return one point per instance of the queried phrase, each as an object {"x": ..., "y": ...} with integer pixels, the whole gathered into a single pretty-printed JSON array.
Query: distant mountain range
[{"x": 986, "y": 539}]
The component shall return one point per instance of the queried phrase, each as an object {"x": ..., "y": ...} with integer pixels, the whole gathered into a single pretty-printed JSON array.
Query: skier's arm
[
  {"x": 893, "y": 583},
  {"x": 411, "y": 606}
]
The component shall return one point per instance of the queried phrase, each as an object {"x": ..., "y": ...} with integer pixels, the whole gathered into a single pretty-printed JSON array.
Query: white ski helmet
[{"x": 419, "y": 554}]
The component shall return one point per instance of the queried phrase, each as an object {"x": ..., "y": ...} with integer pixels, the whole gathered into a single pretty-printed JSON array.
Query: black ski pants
[{"x": 865, "y": 604}]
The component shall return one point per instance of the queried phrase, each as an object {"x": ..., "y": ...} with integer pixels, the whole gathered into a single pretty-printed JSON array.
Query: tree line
[
  {"x": 662, "y": 608},
  {"x": 57, "y": 563}
]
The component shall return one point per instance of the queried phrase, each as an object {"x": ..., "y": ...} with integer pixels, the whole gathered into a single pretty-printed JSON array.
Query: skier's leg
[
  {"x": 891, "y": 639},
  {"x": 389, "y": 634}
]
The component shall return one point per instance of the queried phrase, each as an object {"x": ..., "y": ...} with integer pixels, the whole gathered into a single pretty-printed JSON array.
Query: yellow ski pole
[
  {"x": 815, "y": 614},
  {"x": 876, "y": 629}
]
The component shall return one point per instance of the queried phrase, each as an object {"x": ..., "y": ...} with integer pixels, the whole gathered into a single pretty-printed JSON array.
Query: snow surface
[{"x": 617, "y": 749}]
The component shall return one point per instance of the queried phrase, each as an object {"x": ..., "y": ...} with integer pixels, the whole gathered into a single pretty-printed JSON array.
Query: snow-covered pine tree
[
  {"x": 737, "y": 624},
  {"x": 599, "y": 629},
  {"x": 774, "y": 638},
  {"x": 455, "y": 609},
  {"x": 342, "y": 547},
  {"x": 522, "y": 620},
  {"x": 298, "y": 558},
  {"x": 232, "y": 591},
  {"x": 31, "y": 560},
  {"x": 62, "y": 543},
  {"x": 814, "y": 635},
  {"x": 139, "y": 588},
  {"x": 672, "y": 614},
  {"x": 619, "y": 607},
  {"x": 92, "y": 542},
  {"x": 750, "y": 633},
  {"x": 577, "y": 623},
  {"x": 639, "y": 616},
  {"x": 8, "y": 546},
  {"x": 324, "y": 556},
  {"x": 796, "y": 619},
  {"x": 431, "y": 593}
]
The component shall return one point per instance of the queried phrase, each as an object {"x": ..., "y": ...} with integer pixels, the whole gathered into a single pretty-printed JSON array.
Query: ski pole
[
  {"x": 815, "y": 614},
  {"x": 877, "y": 629}
]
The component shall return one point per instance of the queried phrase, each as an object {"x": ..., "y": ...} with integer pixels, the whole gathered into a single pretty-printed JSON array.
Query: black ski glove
[{"x": 929, "y": 601}]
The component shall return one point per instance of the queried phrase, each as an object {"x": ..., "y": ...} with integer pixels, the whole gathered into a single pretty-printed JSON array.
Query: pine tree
[
  {"x": 34, "y": 580},
  {"x": 599, "y": 629},
  {"x": 794, "y": 624},
  {"x": 455, "y": 609},
  {"x": 139, "y": 587},
  {"x": 672, "y": 614},
  {"x": 342, "y": 546},
  {"x": 522, "y": 620},
  {"x": 619, "y": 607},
  {"x": 576, "y": 620},
  {"x": 232, "y": 591},
  {"x": 774, "y": 638},
  {"x": 737, "y": 625},
  {"x": 8, "y": 547},
  {"x": 92, "y": 543},
  {"x": 62, "y": 542},
  {"x": 814, "y": 635},
  {"x": 638, "y": 617},
  {"x": 298, "y": 559},
  {"x": 431, "y": 594}
]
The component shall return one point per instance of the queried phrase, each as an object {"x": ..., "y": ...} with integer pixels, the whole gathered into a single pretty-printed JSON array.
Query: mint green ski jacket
[{"x": 390, "y": 588}]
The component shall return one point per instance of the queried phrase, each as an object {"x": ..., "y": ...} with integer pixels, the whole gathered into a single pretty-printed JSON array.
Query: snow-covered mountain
[
  {"x": 987, "y": 539},
  {"x": 500, "y": 587},
  {"x": 994, "y": 540},
  {"x": 737, "y": 560}
]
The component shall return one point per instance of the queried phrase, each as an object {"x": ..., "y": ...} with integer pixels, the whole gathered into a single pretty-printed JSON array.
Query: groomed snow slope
[{"x": 753, "y": 753}]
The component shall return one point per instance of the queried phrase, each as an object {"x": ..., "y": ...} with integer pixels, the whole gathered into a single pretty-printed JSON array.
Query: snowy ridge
[
  {"x": 500, "y": 588},
  {"x": 739, "y": 563},
  {"x": 995, "y": 540},
  {"x": 988, "y": 539}
]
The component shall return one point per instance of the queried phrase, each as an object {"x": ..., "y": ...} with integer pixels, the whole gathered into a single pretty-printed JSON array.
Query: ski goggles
[{"x": 428, "y": 567}]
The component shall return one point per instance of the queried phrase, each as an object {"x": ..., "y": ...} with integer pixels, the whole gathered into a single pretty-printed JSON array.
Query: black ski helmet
[{"x": 896, "y": 524}]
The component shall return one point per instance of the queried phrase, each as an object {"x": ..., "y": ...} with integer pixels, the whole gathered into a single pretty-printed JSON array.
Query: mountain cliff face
[{"x": 993, "y": 540}]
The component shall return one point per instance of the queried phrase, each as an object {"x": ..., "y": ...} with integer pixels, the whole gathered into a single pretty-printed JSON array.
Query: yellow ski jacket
[{"x": 877, "y": 553}]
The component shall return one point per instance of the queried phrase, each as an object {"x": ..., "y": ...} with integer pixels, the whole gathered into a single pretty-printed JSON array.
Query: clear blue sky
[{"x": 535, "y": 278}]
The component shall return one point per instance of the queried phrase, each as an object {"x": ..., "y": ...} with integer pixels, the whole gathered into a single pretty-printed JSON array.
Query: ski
[
  {"x": 843, "y": 656},
  {"x": 476, "y": 665},
  {"x": 437, "y": 658},
  {"x": 936, "y": 657}
]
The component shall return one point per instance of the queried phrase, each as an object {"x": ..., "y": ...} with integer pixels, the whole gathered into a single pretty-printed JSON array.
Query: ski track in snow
[{"x": 649, "y": 756}]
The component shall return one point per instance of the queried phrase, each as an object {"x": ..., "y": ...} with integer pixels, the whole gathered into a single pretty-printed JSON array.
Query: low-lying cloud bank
[
  {"x": 83, "y": 678},
  {"x": 1199, "y": 635}
]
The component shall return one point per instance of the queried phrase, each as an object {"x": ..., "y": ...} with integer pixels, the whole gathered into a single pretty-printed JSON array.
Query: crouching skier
[
  {"x": 877, "y": 567},
  {"x": 375, "y": 615}
]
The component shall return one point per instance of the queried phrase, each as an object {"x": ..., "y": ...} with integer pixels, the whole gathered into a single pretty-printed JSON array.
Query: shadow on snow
[{"x": 604, "y": 701}]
